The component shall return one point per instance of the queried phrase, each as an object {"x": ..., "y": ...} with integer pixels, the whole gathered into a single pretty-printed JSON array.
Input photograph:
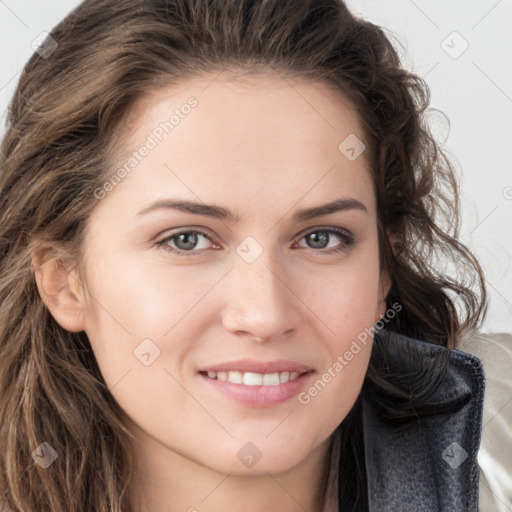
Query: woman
[{"x": 221, "y": 284}]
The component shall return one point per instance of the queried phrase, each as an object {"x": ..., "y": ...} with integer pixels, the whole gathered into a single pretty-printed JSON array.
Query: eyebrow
[{"x": 218, "y": 212}]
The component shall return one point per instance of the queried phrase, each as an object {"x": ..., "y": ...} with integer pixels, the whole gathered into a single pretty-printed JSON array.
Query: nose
[{"x": 259, "y": 300}]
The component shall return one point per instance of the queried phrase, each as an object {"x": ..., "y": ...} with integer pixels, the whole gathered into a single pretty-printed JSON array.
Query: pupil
[
  {"x": 313, "y": 237},
  {"x": 186, "y": 236}
]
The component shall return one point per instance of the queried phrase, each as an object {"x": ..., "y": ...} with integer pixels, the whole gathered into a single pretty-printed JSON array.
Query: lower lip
[{"x": 259, "y": 396}]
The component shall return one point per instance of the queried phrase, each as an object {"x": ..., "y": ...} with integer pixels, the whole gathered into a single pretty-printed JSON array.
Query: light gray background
[{"x": 474, "y": 90}]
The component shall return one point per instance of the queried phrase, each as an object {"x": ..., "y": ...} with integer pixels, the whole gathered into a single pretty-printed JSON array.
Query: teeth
[
  {"x": 254, "y": 379},
  {"x": 235, "y": 377},
  {"x": 271, "y": 379}
]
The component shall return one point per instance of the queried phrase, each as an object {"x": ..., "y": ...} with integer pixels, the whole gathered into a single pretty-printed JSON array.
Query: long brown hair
[{"x": 62, "y": 125}]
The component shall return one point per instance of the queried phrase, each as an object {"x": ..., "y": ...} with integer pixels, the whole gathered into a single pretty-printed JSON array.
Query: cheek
[
  {"x": 128, "y": 320},
  {"x": 336, "y": 385},
  {"x": 134, "y": 298},
  {"x": 335, "y": 389},
  {"x": 122, "y": 311},
  {"x": 345, "y": 298},
  {"x": 347, "y": 304},
  {"x": 133, "y": 302}
]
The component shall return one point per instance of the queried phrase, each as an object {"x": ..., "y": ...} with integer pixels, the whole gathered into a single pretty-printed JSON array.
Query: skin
[{"x": 264, "y": 148}]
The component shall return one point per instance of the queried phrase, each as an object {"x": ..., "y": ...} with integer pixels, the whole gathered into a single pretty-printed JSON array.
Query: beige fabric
[{"x": 495, "y": 455}]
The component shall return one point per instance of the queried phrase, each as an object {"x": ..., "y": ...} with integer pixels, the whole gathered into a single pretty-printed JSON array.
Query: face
[{"x": 176, "y": 297}]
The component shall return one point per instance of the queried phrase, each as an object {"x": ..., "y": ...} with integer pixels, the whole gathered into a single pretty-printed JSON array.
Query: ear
[
  {"x": 385, "y": 279},
  {"x": 393, "y": 241},
  {"x": 59, "y": 287},
  {"x": 384, "y": 287}
]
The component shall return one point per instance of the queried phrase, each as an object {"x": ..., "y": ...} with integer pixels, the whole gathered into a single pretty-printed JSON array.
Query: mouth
[{"x": 257, "y": 384}]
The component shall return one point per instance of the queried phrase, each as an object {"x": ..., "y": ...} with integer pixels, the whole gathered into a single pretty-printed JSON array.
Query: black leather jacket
[{"x": 430, "y": 464}]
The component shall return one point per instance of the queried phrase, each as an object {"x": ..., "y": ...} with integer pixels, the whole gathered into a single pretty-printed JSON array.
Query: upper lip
[{"x": 250, "y": 365}]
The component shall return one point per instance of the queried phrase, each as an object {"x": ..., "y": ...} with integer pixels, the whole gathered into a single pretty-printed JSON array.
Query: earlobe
[{"x": 59, "y": 288}]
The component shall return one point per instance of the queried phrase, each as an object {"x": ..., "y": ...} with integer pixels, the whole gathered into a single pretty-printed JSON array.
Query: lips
[{"x": 257, "y": 383}]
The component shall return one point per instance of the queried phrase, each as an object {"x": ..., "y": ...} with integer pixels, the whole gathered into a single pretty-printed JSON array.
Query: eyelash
[{"x": 347, "y": 241}]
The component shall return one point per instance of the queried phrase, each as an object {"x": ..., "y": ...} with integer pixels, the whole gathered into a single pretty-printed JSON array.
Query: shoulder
[{"x": 495, "y": 454}]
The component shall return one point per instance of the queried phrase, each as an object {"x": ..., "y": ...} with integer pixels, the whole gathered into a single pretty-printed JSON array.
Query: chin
[
  {"x": 278, "y": 463},
  {"x": 245, "y": 458}
]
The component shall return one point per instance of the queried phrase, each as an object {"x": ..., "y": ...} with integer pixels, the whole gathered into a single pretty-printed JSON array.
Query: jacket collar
[{"x": 422, "y": 456}]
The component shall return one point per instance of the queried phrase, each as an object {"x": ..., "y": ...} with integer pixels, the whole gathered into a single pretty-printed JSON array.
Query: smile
[{"x": 256, "y": 384}]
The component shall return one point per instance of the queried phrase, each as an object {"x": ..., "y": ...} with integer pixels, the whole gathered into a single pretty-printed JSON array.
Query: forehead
[
  {"x": 246, "y": 109},
  {"x": 244, "y": 136}
]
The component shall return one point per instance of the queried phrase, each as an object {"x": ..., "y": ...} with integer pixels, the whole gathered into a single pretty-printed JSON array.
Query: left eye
[
  {"x": 186, "y": 241},
  {"x": 319, "y": 236}
]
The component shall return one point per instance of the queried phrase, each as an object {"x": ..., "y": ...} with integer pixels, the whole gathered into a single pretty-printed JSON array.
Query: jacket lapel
[{"x": 421, "y": 455}]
